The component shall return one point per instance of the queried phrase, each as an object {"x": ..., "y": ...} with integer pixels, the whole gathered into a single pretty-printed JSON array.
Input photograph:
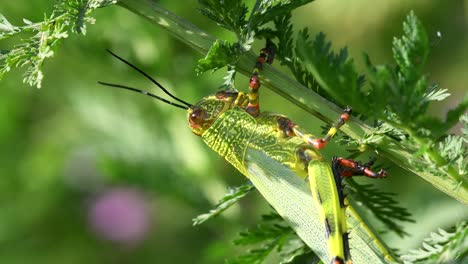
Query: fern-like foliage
[
  {"x": 443, "y": 246},
  {"x": 220, "y": 54},
  {"x": 267, "y": 10},
  {"x": 68, "y": 16},
  {"x": 382, "y": 204},
  {"x": 453, "y": 148},
  {"x": 334, "y": 72},
  {"x": 232, "y": 15},
  {"x": 398, "y": 95},
  {"x": 232, "y": 197},
  {"x": 229, "y": 14},
  {"x": 273, "y": 235},
  {"x": 287, "y": 55}
]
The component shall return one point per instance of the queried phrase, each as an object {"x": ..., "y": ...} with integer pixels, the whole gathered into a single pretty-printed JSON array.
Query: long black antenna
[
  {"x": 143, "y": 92},
  {"x": 149, "y": 77}
]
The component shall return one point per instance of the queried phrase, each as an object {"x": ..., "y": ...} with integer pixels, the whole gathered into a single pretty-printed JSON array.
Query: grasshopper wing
[{"x": 291, "y": 197}]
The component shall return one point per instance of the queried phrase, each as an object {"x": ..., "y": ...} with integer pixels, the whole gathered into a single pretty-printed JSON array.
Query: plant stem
[{"x": 294, "y": 92}]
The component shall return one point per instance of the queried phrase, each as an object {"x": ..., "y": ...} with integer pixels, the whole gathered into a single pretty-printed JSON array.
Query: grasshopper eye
[
  {"x": 227, "y": 94},
  {"x": 220, "y": 95},
  {"x": 197, "y": 117}
]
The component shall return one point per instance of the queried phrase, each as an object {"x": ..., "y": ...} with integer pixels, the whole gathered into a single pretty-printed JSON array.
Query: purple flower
[{"x": 120, "y": 215}]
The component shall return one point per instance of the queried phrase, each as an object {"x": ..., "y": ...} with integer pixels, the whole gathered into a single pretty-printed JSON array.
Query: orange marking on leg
[
  {"x": 252, "y": 109},
  {"x": 318, "y": 143},
  {"x": 254, "y": 82},
  {"x": 347, "y": 173},
  {"x": 347, "y": 163},
  {"x": 344, "y": 117}
]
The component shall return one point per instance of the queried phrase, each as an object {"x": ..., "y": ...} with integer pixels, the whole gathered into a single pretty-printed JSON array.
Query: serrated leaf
[
  {"x": 454, "y": 148},
  {"x": 412, "y": 49},
  {"x": 334, "y": 72},
  {"x": 296, "y": 252},
  {"x": 232, "y": 197},
  {"x": 442, "y": 247},
  {"x": 68, "y": 15},
  {"x": 227, "y": 13},
  {"x": 286, "y": 53},
  {"x": 5, "y": 25},
  {"x": 220, "y": 54},
  {"x": 27, "y": 22},
  {"x": 229, "y": 78},
  {"x": 271, "y": 235},
  {"x": 268, "y": 10},
  {"x": 436, "y": 95},
  {"x": 381, "y": 204},
  {"x": 402, "y": 90}
]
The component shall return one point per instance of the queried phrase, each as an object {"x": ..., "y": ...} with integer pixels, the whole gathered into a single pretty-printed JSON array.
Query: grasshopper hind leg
[{"x": 348, "y": 168}]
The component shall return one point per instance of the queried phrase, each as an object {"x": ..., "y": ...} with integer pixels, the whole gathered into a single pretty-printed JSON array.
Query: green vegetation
[{"x": 66, "y": 145}]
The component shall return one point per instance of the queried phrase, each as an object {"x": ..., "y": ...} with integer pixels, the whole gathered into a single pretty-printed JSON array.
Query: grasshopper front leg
[{"x": 266, "y": 54}]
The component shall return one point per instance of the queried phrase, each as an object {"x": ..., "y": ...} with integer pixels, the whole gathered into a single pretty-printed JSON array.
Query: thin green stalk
[{"x": 294, "y": 92}]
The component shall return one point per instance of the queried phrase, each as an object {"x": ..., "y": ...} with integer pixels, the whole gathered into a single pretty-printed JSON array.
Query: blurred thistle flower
[{"x": 121, "y": 215}]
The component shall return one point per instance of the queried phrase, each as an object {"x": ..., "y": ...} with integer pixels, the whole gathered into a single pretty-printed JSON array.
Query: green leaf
[
  {"x": 68, "y": 15},
  {"x": 269, "y": 10},
  {"x": 6, "y": 27},
  {"x": 403, "y": 90},
  {"x": 454, "y": 148},
  {"x": 435, "y": 94},
  {"x": 286, "y": 53},
  {"x": 454, "y": 114},
  {"x": 264, "y": 231},
  {"x": 226, "y": 13},
  {"x": 272, "y": 234},
  {"x": 334, "y": 72},
  {"x": 232, "y": 197},
  {"x": 296, "y": 252},
  {"x": 220, "y": 54},
  {"x": 412, "y": 49},
  {"x": 381, "y": 204},
  {"x": 442, "y": 247}
]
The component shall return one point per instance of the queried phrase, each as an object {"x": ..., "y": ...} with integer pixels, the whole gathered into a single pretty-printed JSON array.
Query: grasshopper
[{"x": 278, "y": 156}]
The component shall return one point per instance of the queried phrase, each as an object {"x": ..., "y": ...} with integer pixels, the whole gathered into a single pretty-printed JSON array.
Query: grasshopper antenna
[
  {"x": 149, "y": 78},
  {"x": 143, "y": 92}
]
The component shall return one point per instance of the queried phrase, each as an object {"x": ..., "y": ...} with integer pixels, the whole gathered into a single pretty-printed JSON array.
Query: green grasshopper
[{"x": 277, "y": 156}]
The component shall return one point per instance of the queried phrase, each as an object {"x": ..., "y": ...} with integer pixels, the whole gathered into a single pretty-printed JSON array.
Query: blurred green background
[{"x": 89, "y": 174}]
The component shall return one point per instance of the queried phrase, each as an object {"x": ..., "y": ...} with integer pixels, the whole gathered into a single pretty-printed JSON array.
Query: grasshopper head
[{"x": 202, "y": 115}]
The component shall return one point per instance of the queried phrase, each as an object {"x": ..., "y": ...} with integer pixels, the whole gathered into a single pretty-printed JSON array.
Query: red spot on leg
[
  {"x": 318, "y": 143},
  {"x": 254, "y": 82},
  {"x": 345, "y": 117},
  {"x": 252, "y": 109},
  {"x": 347, "y": 163},
  {"x": 337, "y": 260},
  {"x": 347, "y": 173},
  {"x": 370, "y": 173}
]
